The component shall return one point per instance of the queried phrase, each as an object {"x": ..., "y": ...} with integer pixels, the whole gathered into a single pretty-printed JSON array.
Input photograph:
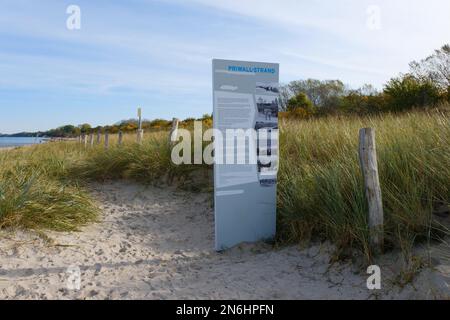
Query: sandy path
[{"x": 158, "y": 244}]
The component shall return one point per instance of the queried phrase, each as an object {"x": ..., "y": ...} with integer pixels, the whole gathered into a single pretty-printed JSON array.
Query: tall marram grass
[
  {"x": 35, "y": 193},
  {"x": 149, "y": 162},
  {"x": 321, "y": 192}
]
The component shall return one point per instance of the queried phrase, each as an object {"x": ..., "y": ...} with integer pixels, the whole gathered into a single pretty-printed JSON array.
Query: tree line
[
  {"x": 126, "y": 126},
  {"x": 427, "y": 84}
]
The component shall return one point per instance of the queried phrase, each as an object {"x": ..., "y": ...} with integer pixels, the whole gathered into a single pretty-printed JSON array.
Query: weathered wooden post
[
  {"x": 369, "y": 167},
  {"x": 84, "y": 140},
  {"x": 91, "y": 139},
  {"x": 140, "y": 136},
  {"x": 174, "y": 131},
  {"x": 79, "y": 139},
  {"x": 119, "y": 142},
  {"x": 140, "y": 133},
  {"x": 106, "y": 139},
  {"x": 99, "y": 136}
]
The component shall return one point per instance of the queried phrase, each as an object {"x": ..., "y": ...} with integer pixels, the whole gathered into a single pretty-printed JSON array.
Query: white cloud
[
  {"x": 401, "y": 20},
  {"x": 410, "y": 29}
]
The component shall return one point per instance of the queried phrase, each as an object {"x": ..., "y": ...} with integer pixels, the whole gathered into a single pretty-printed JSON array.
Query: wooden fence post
[
  {"x": 369, "y": 167},
  {"x": 91, "y": 139},
  {"x": 140, "y": 132},
  {"x": 119, "y": 142},
  {"x": 106, "y": 139},
  {"x": 99, "y": 136},
  {"x": 84, "y": 140},
  {"x": 140, "y": 135},
  {"x": 174, "y": 131}
]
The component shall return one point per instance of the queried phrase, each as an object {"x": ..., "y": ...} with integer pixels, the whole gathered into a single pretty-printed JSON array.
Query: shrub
[
  {"x": 407, "y": 92},
  {"x": 300, "y": 106}
]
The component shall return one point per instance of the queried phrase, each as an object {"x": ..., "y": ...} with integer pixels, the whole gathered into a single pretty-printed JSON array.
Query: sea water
[{"x": 18, "y": 141}]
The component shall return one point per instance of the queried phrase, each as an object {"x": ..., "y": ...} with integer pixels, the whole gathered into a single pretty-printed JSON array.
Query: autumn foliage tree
[{"x": 300, "y": 106}]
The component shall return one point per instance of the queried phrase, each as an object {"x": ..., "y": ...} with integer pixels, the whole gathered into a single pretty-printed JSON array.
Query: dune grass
[
  {"x": 36, "y": 194},
  {"x": 149, "y": 162},
  {"x": 320, "y": 193}
]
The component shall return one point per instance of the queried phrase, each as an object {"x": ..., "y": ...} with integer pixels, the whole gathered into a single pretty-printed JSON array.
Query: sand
[{"x": 157, "y": 243}]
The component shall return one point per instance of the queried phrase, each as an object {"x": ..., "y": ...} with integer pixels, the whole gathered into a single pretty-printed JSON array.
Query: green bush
[
  {"x": 407, "y": 92},
  {"x": 300, "y": 106}
]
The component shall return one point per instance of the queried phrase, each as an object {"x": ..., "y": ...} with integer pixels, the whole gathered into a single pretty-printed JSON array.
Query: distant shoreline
[{"x": 11, "y": 145}]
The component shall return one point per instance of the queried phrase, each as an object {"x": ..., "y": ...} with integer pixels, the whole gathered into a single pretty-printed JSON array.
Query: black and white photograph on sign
[
  {"x": 267, "y": 111},
  {"x": 267, "y": 153},
  {"x": 262, "y": 87},
  {"x": 267, "y": 170}
]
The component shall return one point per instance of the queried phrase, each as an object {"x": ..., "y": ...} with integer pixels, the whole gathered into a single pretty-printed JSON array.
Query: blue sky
[{"x": 157, "y": 54}]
